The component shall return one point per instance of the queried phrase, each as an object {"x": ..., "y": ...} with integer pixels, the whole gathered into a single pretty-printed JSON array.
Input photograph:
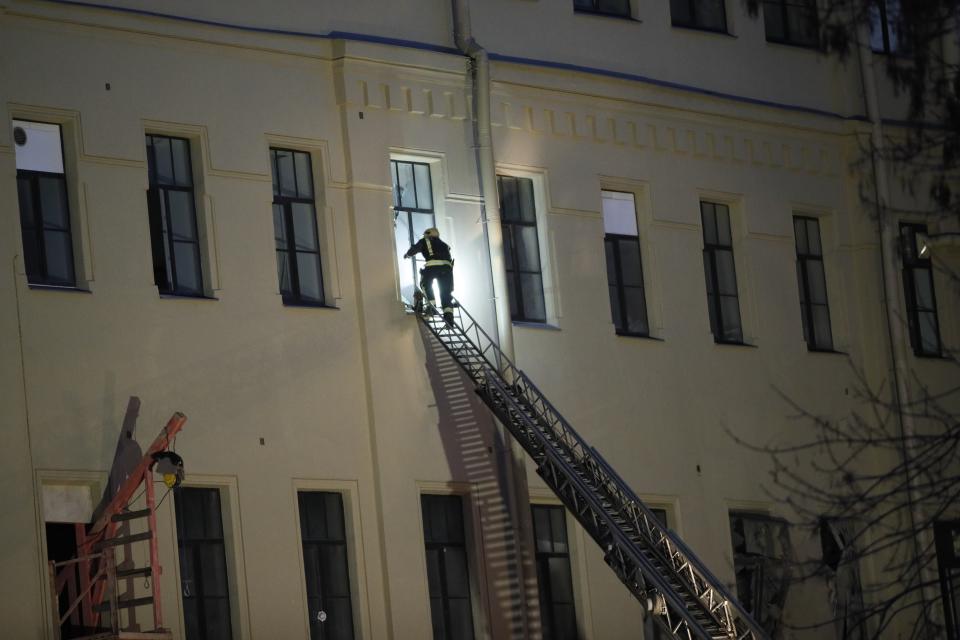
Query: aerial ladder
[
  {"x": 684, "y": 597},
  {"x": 85, "y": 590}
]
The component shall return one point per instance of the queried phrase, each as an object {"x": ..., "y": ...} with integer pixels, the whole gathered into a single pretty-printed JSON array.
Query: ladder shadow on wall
[{"x": 477, "y": 453}]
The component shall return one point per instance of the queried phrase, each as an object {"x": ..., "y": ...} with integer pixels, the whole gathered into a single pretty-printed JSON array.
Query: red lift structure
[{"x": 90, "y": 581}]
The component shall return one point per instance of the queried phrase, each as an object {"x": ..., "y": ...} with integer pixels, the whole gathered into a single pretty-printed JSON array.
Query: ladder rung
[
  {"x": 125, "y": 604},
  {"x": 130, "y": 515},
  {"x": 130, "y": 573},
  {"x": 113, "y": 542}
]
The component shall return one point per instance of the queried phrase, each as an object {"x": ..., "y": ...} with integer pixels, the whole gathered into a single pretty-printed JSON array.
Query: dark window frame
[
  {"x": 441, "y": 548},
  {"x": 398, "y": 209},
  {"x": 693, "y": 23},
  {"x": 803, "y": 280},
  {"x": 38, "y": 226},
  {"x": 911, "y": 265},
  {"x": 612, "y": 243},
  {"x": 748, "y": 563},
  {"x": 206, "y": 542},
  {"x": 515, "y": 273},
  {"x": 161, "y": 225},
  {"x": 597, "y": 11},
  {"x": 321, "y": 631},
  {"x": 542, "y": 561},
  {"x": 710, "y": 251},
  {"x": 295, "y": 296},
  {"x": 785, "y": 23}
]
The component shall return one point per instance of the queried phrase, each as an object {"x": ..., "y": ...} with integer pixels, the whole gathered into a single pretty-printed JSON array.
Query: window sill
[
  {"x": 184, "y": 296},
  {"x": 55, "y": 287},
  {"x": 600, "y": 14},
  {"x": 641, "y": 336},
  {"x": 309, "y": 305},
  {"x": 932, "y": 357},
  {"x": 813, "y": 48},
  {"x": 536, "y": 325},
  {"x": 827, "y": 351},
  {"x": 704, "y": 30},
  {"x": 734, "y": 344}
]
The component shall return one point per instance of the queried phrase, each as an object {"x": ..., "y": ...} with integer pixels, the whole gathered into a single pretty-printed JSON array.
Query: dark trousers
[{"x": 444, "y": 277}]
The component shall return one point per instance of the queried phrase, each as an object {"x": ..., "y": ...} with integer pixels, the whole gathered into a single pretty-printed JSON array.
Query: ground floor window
[
  {"x": 447, "y": 574},
  {"x": 324, "y": 539},
  {"x": 203, "y": 564}
]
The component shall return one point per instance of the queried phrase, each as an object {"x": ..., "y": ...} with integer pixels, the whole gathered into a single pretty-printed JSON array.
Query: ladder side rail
[
  {"x": 155, "y": 568},
  {"x": 586, "y": 456},
  {"x": 604, "y": 473},
  {"x": 597, "y": 465},
  {"x": 123, "y": 496},
  {"x": 625, "y": 545},
  {"x": 473, "y": 331},
  {"x": 734, "y": 609}
]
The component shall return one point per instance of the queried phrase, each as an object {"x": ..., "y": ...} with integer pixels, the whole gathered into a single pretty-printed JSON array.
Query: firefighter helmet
[{"x": 432, "y": 232}]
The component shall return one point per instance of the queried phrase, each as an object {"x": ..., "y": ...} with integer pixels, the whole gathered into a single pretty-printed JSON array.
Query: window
[
  {"x": 792, "y": 22},
  {"x": 295, "y": 228},
  {"x": 324, "y": 540},
  {"x": 203, "y": 564},
  {"x": 760, "y": 548},
  {"x": 605, "y": 7},
  {"x": 521, "y": 246},
  {"x": 884, "y": 17},
  {"x": 413, "y": 213},
  {"x": 557, "y": 611},
  {"x": 699, "y": 14},
  {"x": 947, "y": 540},
  {"x": 841, "y": 571},
  {"x": 173, "y": 217},
  {"x": 450, "y": 608},
  {"x": 814, "y": 310},
  {"x": 44, "y": 208},
  {"x": 624, "y": 269},
  {"x": 918, "y": 290},
  {"x": 721, "y": 277}
]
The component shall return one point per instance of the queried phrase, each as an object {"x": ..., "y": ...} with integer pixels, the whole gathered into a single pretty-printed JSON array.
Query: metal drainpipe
[
  {"x": 493, "y": 233},
  {"x": 889, "y": 243}
]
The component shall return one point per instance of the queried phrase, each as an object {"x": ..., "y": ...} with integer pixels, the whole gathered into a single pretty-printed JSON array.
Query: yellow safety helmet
[{"x": 432, "y": 232}]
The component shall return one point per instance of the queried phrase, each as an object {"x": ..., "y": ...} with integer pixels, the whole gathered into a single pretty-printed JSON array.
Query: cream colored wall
[{"x": 341, "y": 397}]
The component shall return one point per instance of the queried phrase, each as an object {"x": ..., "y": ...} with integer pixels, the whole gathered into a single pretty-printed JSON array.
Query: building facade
[{"x": 685, "y": 244}]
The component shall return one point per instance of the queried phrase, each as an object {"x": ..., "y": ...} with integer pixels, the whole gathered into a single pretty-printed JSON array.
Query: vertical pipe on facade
[
  {"x": 892, "y": 303},
  {"x": 493, "y": 233},
  {"x": 483, "y": 141}
]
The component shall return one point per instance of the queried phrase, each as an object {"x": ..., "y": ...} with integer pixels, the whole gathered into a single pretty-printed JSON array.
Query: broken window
[
  {"x": 843, "y": 578},
  {"x": 761, "y": 547}
]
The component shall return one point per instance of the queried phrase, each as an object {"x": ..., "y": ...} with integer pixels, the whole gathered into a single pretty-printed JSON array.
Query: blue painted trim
[
  {"x": 673, "y": 85},
  {"x": 426, "y": 46},
  {"x": 333, "y": 35}
]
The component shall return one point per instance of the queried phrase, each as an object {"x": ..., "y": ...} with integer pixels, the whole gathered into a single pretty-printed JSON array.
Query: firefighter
[{"x": 439, "y": 267}]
